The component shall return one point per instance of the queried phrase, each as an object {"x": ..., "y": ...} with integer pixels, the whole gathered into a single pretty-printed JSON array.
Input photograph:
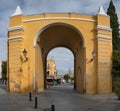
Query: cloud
[
  {"x": 117, "y": 5},
  {"x": 3, "y": 50},
  {"x": 8, "y": 7},
  {"x": 51, "y": 6},
  {"x": 76, "y": 6}
]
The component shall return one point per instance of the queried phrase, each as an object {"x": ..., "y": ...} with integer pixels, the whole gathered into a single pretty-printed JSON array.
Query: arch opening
[
  {"x": 60, "y": 35},
  {"x": 59, "y": 24},
  {"x": 60, "y": 65}
]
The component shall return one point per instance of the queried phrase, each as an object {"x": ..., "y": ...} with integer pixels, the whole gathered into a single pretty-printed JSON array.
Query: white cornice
[
  {"x": 16, "y": 28},
  {"x": 100, "y": 27},
  {"x": 59, "y": 18},
  {"x": 17, "y": 38}
]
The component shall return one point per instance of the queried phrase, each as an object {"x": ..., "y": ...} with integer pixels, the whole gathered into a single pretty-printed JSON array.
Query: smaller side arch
[{"x": 55, "y": 24}]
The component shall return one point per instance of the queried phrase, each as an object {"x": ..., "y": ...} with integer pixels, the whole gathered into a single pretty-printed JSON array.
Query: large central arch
[{"x": 55, "y": 35}]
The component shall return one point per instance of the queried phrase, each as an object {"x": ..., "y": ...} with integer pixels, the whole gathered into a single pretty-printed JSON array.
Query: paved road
[{"x": 64, "y": 98}]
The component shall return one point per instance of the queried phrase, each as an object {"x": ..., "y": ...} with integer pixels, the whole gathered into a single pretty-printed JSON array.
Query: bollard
[
  {"x": 30, "y": 96},
  {"x": 36, "y": 102},
  {"x": 52, "y": 107}
]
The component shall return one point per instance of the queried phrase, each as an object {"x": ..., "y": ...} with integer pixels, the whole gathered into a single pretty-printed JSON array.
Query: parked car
[{"x": 50, "y": 82}]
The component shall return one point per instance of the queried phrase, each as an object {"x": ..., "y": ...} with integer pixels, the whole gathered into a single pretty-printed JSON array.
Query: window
[
  {"x": 48, "y": 66},
  {"x": 48, "y": 73}
]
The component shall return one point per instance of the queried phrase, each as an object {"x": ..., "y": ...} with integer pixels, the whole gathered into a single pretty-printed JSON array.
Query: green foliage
[
  {"x": 117, "y": 87},
  {"x": 114, "y": 25},
  {"x": 66, "y": 77},
  {"x": 4, "y": 70},
  {"x": 116, "y": 63},
  {"x": 115, "y": 39},
  {"x": 72, "y": 78}
]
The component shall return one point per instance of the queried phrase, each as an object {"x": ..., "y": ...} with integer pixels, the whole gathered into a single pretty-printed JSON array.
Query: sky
[
  {"x": 7, "y": 8},
  {"x": 64, "y": 59},
  {"x": 3, "y": 49}
]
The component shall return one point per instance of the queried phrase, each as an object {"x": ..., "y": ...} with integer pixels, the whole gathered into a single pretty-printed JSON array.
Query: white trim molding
[
  {"x": 17, "y": 38},
  {"x": 104, "y": 37},
  {"x": 59, "y": 18},
  {"x": 100, "y": 27},
  {"x": 104, "y": 40},
  {"x": 104, "y": 62},
  {"x": 16, "y": 28}
]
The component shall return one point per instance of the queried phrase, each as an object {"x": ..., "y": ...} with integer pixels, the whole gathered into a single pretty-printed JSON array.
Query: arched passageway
[{"x": 57, "y": 35}]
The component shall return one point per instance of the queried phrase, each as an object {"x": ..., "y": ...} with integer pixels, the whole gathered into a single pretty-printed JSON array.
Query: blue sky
[{"x": 7, "y": 8}]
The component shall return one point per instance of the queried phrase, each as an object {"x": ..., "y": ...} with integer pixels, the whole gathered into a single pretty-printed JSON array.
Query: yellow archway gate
[{"x": 30, "y": 38}]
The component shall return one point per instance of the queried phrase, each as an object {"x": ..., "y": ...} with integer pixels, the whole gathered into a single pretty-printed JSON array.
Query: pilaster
[{"x": 104, "y": 54}]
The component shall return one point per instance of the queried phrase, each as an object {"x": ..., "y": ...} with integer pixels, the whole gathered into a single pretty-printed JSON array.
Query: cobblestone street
[{"x": 63, "y": 97}]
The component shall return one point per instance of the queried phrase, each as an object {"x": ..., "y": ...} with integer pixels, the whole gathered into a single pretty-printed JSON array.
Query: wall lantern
[
  {"x": 24, "y": 58},
  {"x": 94, "y": 54},
  {"x": 24, "y": 52}
]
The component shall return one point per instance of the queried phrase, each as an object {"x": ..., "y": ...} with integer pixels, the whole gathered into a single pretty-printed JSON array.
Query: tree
[
  {"x": 4, "y": 70},
  {"x": 116, "y": 72},
  {"x": 116, "y": 63},
  {"x": 66, "y": 77},
  {"x": 116, "y": 47},
  {"x": 114, "y": 24}
]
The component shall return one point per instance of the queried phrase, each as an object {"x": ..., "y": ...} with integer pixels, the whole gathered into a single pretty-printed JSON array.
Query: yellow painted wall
[
  {"x": 51, "y": 67},
  {"x": 80, "y": 33},
  {"x": 16, "y": 21}
]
